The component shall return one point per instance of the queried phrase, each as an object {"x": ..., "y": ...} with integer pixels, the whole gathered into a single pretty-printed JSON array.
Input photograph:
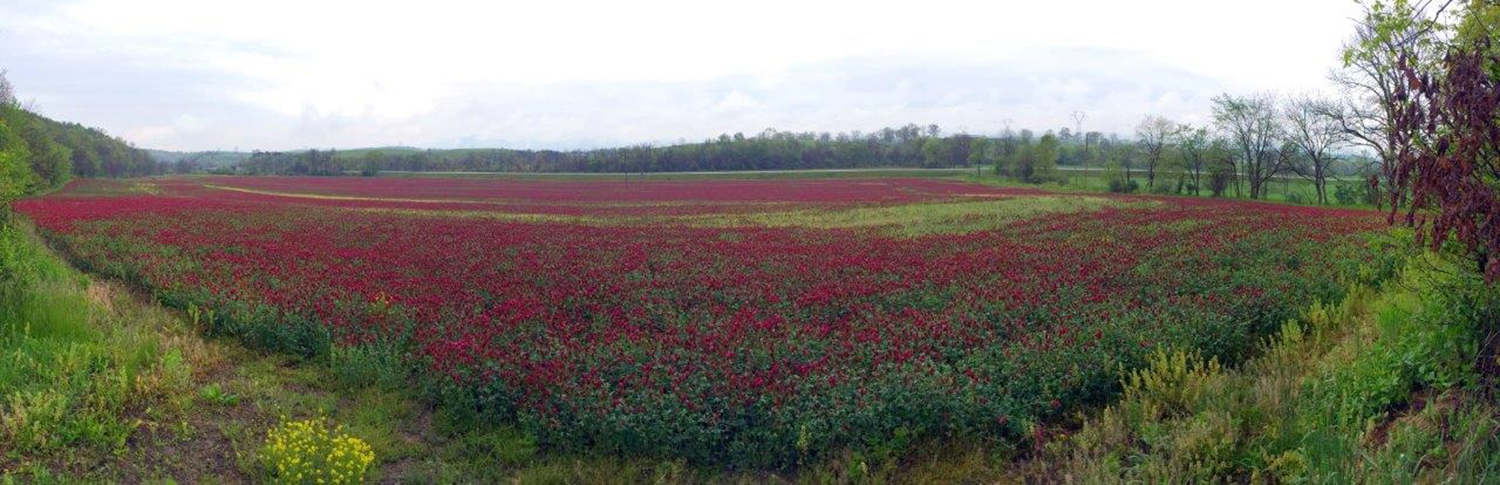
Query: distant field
[
  {"x": 755, "y": 323},
  {"x": 1286, "y": 188},
  {"x": 739, "y": 174}
]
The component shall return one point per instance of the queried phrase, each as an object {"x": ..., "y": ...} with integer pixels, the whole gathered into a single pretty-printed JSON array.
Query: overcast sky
[{"x": 274, "y": 74}]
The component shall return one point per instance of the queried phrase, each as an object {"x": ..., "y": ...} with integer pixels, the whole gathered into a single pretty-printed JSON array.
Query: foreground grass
[
  {"x": 1380, "y": 388},
  {"x": 80, "y": 372}
]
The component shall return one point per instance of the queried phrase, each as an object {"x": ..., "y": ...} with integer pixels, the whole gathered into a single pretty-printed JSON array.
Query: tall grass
[
  {"x": 77, "y": 371},
  {"x": 1381, "y": 387}
]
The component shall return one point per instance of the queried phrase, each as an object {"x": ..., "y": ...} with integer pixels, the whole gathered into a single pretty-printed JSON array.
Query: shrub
[
  {"x": 1348, "y": 193},
  {"x": 1176, "y": 380},
  {"x": 371, "y": 365},
  {"x": 1120, "y": 186},
  {"x": 308, "y": 452},
  {"x": 1118, "y": 181},
  {"x": 1219, "y": 181}
]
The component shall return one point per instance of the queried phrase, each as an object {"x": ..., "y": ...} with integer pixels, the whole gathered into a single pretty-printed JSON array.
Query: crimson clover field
[{"x": 745, "y": 323}]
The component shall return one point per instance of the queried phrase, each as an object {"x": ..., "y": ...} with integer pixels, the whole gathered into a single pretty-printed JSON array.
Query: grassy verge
[
  {"x": 1379, "y": 388},
  {"x": 79, "y": 373}
]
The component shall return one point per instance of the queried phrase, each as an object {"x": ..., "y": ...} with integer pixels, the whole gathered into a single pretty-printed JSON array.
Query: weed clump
[{"x": 308, "y": 451}]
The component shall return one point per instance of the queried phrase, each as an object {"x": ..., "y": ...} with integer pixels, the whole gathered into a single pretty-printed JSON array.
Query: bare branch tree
[
  {"x": 1194, "y": 142},
  {"x": 1154, "y": 132},
  {"x": 1315, "y": 135},
  {"x": 1385, "y": 38},
  {"x": 1249, "y": 123},
  {"x": 7, "y": 91}
]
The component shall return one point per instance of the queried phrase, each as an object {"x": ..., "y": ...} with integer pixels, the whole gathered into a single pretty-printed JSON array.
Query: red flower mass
[{"x": 747, "y": 345}]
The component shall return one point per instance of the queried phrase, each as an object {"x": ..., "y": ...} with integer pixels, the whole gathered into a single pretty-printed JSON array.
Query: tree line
[
  {"x": 1252, "y": 140},
  {"x": 1160, "y": 147},
  {"x": 768, "y": 150},
  {"x": 37, "y": 153}
]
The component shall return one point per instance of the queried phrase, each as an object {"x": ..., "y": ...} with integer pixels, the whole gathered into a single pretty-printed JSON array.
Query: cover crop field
[{"x": 751, "y": 324}]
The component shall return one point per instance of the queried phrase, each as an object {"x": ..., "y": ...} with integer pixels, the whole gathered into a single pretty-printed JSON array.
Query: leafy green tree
[
  {"x": 1222, "y": 171},
  {"x": 980, "y": 152},
  {"x": 936, "y": 152},
  {"x": 52, "y": 162},
  {"x": 1124, "y": 154},
  {"x": 39, "y": 153},
  {"x": 1115, "y": 176},
  {"x": 1044, "y": 160},
  {"x": 1021, "y": 161},
  {"x": 1251, "y": 125},
  {"x": 16, "y": 177},
  {"x": 1193, "y": 143},
  {"x": 1173, "y": 171}
]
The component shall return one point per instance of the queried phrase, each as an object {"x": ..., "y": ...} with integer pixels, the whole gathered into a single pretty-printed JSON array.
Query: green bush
[
  {"x": 1347, "y": 193},
  {"x": 1120, "y": 186},
  {"x": 1355, "y": 192},
  {"x": 370, "y": 365}
]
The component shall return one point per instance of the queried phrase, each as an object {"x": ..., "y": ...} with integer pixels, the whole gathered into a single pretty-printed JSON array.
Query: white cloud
[{"x": 286, "y": 74}]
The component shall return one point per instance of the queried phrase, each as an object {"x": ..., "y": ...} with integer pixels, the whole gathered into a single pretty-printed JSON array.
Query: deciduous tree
[
  {"x": 1316, "y": 136},
  {"x": 1387, "y": 36},
  {"x": 1250, "y": 125},
  {"x": 1154, "y": 132},
  {"x": 1193, "y": 142},
  {"x": 1452, "y": 117}
]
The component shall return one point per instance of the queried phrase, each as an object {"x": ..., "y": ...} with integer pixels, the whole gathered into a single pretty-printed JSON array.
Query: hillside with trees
[{"x": 37, "y": 153}]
